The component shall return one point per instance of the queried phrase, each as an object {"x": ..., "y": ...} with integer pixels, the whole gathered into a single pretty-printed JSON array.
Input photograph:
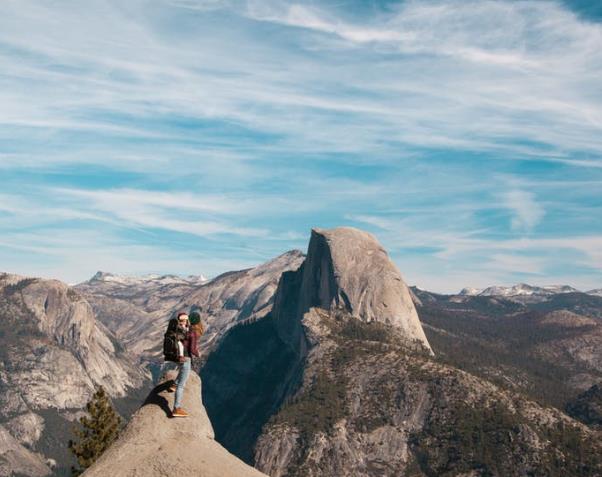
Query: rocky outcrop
[
  {"x": 346, "y": 269},
  {"x": 153, "y": 444}
]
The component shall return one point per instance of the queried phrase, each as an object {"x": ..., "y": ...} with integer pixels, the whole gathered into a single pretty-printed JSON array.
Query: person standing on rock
[
  {"x": 183, "y": 365},
  {"x": 190, "y": 344},
  {"x": 196, "y": 330},
  {"x": 173, "y": 348}
]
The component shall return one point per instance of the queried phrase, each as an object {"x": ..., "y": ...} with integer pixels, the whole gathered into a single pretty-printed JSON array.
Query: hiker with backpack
[{"x": 180, "y": 344}]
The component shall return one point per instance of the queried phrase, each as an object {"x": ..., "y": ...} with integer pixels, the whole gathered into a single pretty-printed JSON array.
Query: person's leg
[
  {"x": 181, "y": 380},
  {"x": 166, "y": 368},
  {"x": 161, "y": 372},
  {"x": 173, "y": 387}
]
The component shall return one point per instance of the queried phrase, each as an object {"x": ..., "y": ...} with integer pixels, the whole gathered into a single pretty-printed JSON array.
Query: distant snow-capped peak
[
  {"x": 469, "y": 291},
  {"x": 146, "y": 279},
  {"x": 520, "y": 289}
]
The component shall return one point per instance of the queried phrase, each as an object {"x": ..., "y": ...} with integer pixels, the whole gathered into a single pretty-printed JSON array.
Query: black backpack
[{"x": 170, "y": 341}]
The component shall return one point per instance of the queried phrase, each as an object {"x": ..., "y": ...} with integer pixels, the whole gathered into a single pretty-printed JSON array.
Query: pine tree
[{"x": 97, "y": 432}]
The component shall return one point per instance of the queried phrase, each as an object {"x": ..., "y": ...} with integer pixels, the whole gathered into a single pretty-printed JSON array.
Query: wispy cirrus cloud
[
  {"x": 235, "y": 126},
  {"x": 472, "y": 92}
]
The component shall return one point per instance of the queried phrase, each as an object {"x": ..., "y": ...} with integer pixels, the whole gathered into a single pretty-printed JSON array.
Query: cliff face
[
  {"x": 246, "y": 379},
  {"x": 153, "y": 444},
  {"x": 51, "y": 333},
  {"x": 54, "y": 353},
  {"x": 346, "y": 269}
]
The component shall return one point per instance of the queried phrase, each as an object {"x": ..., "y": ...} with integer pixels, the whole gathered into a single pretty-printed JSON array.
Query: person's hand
[{"x": 182, "y": 359}]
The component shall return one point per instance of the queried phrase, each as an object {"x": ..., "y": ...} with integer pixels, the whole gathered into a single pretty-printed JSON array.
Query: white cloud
[
  {"x": 527, "y": 213},
  {"x": 201, "y": 5},
  {"x": 163, "y": 210},
  {"x": 114, "y": 199}
]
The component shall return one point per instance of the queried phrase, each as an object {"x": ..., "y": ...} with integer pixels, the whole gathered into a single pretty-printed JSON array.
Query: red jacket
[{"x": 191, "y": 344}]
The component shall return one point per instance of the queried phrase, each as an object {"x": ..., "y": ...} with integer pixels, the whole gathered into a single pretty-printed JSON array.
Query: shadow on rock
[{"x": 154, "y": 398}]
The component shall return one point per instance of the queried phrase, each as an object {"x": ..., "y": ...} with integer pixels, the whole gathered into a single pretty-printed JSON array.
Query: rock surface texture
[
  {"x": 53, "y": 354},
  {"x": 154, "y": 445},
  {"x": 347, "y": 269},
  {"x": 56, "y": 349}
]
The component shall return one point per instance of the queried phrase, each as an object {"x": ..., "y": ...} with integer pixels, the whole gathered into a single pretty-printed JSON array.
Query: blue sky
[{"x": 201, "y": 136}]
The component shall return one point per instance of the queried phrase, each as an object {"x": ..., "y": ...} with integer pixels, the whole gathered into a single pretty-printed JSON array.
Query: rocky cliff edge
[{"x": 154, "y": 444}]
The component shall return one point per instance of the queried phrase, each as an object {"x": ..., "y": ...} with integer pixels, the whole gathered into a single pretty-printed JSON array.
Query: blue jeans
[
  {"x": 183, "y": 372},
  {"x": 159, "y": 375}
]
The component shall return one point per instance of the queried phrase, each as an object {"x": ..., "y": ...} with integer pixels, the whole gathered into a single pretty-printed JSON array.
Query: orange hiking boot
[{"x": 179, "y": 412}]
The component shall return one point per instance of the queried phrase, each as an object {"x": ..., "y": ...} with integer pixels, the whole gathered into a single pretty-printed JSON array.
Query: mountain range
[
  {"x": 323, "y": 363},
  {"x": 523, "y": 290}
]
